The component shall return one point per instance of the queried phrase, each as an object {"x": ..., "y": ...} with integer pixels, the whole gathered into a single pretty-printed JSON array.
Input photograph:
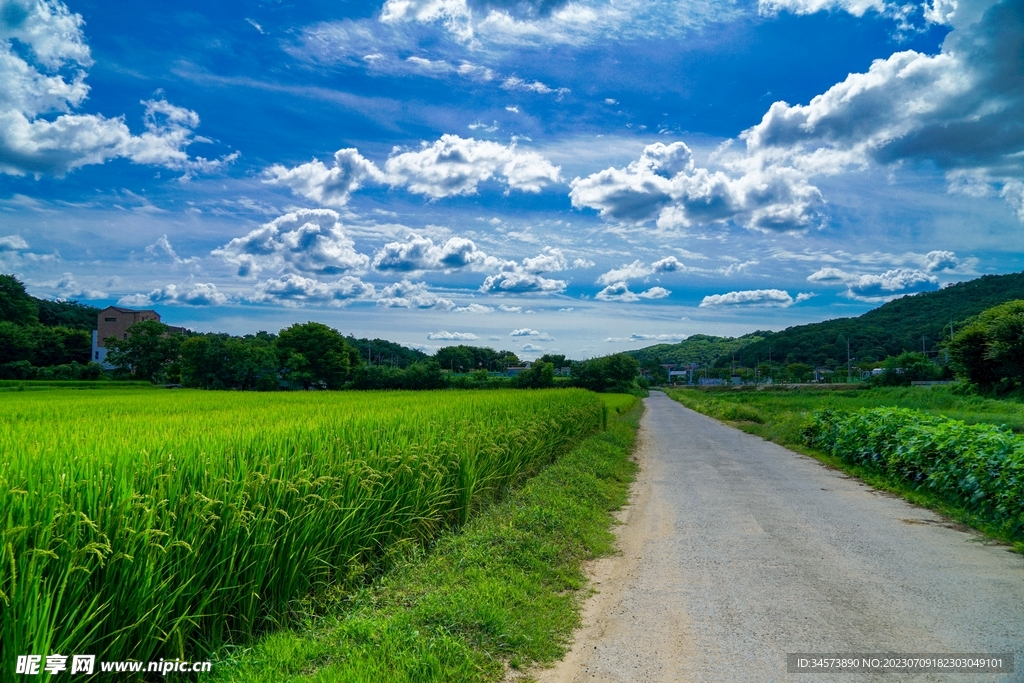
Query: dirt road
[{"x": 736, "y": 551}]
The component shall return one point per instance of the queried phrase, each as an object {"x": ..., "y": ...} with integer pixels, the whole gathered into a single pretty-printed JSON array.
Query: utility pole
[
  {"x": 770, "y": 375},
  {"x": 848, "y": 374}
]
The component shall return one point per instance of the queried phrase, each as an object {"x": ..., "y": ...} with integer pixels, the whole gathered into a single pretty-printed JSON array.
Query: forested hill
[
  {"x": 21, "y": 308},
  {"x": 885, "y": 331},
  {"x": 702, "y": 349}
]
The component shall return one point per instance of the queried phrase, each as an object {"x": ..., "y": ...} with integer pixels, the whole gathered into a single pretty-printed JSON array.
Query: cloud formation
[
  {"x": 327, "y": 186},
  {"x": 959, "y": 110},
  {"x": 295, "y": 290},
  {"x": 619, "y": 291},
  {"x": 162, "y": 250},
  {"x": 406, "y": 294},
  {"x": 444, "y": 335},
  {"x": 513, "y": 83},
  {"x": 521, "y": 282},
  {"x": 531, "y": 333},
  {"x": 638, "y": 269},
  {"x": 855, "y": 7},
  {"x": 871, "y": 287},
  {"x": 418, "y": 253},
  {"x": 451, "y": 166},
  {"x": 664, "y": 184},
  {"x": 454, "y": 166},
  {"x": 190, "y": 294},
  {"x": 69, "y": 288},
  {"x": 543, "y": 22},
  {"x": 754, "y": 297},
  {"x": 43, "y": 62},
  {"x": 550, "y": 260},
  {"x": 311, "y": 241}
]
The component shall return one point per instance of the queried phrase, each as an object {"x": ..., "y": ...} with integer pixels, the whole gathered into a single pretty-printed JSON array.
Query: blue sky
[{"x": 560, "y": 176}]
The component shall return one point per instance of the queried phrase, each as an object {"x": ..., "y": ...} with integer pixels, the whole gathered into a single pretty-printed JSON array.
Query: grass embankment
[
  {"x": 50, "y": 384},
  {"x": 140, "y": 525},
  {"x": 784, "y": 416},
  {"x": 503, "y": 591}
]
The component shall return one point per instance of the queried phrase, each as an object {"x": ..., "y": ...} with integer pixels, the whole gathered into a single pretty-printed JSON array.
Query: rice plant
[{"x": 140, "y": 525}]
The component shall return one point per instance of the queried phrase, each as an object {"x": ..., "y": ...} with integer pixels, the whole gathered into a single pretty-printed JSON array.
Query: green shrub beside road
[
  {"x": 977, "y": 467},
  {"x": 953, "y": 430}
]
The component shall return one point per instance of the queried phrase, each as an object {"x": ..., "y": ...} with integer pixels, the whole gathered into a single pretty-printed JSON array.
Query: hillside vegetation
[
  {"x": 889, "y": 330},
  {"x": 702, "y": 349}
]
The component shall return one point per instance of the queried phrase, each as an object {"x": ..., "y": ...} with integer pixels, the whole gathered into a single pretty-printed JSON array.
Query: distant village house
[{"x": 114, "y": 321}]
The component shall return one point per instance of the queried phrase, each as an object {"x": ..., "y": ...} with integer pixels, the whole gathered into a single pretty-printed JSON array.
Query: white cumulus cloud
[
  {"x": 935, "y": 261},
  {"x": 619, "y": 291},
  {"x": 327, "y": 186},
  {"x": 406, "y": 294},
  {"x": 550, "y": 260},
  {"x": 751, "y": 297},
  {"x": 638, "y": 269},
  {"x": 959, "y": 109},
  {"x": 665, "y": 184},
  {"x": 296, "y": 290},
  {"x": 303, "y": 241},
  {"x": 13, "y": 243},
  {"x": 43, "y": 63},
  {"x": 190, "y": 294},
  {"x": 418, "y": 253},
  {"x": 871, "y": 287},
  {"x": 454, "y": 166},
  {"x": 444, "y": 335},
  {"x": 521, "y": 282}
]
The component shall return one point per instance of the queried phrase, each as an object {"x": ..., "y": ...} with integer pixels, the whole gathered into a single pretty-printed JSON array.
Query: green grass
[
  {"x": 149, "y": 524},
  {"x": 505, "y": 591},
  {"x": 783, "y": 415}
]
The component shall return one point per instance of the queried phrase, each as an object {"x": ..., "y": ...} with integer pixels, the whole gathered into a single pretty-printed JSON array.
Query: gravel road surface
[{"x": 736, "y": 551}]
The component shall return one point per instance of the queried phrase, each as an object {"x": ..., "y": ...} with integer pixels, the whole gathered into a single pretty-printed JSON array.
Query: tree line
[
  {"x": 42, "y": 339},
  {"x": 314, "y": 356}
]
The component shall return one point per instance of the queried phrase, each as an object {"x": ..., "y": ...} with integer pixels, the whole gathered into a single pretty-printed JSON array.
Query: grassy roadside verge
[
  {"x": 502, "y": 592},
  {"x": 781, "y": 417}
]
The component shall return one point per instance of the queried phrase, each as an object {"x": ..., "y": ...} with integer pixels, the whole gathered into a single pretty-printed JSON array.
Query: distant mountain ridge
[{"x": 888, "y": 330}]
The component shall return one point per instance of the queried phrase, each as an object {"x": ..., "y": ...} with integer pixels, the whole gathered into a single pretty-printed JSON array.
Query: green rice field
[{"x": 140, "y": 525}]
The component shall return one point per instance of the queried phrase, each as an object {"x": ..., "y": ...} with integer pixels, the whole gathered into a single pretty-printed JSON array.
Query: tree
[
  {"x": 989, "y": 350},
  {"x": 460, "y": 358},
  {"x": 425, "y": 375},
  {"x": 617, "y": 372},
  {"x": 537, "y": 376},
  {"x": 799, "y": 372},
  {"x": 558, "y": 360},
  {"x": 150, "y": 352},
  {"x": 909, "y": 366},
  {"x": 16, "y": 305},
  {"x": 219, "y": 361},
  {"x": 15, "y": 343},
  {"x": 316, "y": 356},
  {"x": 72, "y": 314}
]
